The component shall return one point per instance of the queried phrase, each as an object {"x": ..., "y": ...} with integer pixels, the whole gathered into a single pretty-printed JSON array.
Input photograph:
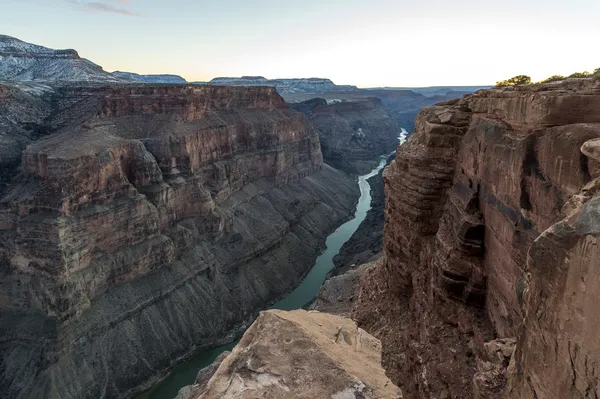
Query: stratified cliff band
[
  {"x": 148, "y": 222},
  {"x": 491, "y": 240}
]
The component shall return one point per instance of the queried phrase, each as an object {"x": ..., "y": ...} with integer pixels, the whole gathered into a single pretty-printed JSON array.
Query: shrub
[
  {"x": 515, "y": 81},
  {"x": 553, "y": 78},
  {"x": 580, "y": 75}
]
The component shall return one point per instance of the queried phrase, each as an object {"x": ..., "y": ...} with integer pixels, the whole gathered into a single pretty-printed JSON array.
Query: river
[{"x": 185, "y": 373}]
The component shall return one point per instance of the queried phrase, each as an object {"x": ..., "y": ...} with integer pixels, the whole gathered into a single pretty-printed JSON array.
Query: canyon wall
[
  {"x": 353, "y": 133},
  {"x": 145, "y": 223},
  {"x": 490, "y": 235}
]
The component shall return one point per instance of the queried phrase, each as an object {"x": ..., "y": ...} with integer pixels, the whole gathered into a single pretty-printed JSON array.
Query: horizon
[{"x": 373, "y": 45}]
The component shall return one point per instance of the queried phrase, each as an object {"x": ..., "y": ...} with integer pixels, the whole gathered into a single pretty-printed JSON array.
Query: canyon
[
  {"x": 143, "y": 223},
  {"x": 353, "y": 134},
  {"x": 486, "y": 289}
]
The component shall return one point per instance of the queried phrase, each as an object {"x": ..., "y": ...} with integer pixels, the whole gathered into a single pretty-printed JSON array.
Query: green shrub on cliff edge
[
  {"x": 596, "y": 74},
  {"x": 515, "y": 81},
  {"x": 553, "y": 78},
  {"x": 584, "y": 74}
]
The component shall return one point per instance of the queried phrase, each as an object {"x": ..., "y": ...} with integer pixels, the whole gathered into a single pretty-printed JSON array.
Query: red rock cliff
[
  {"x": 150, "y": 222},
  {"x": 478, "y": 248}
]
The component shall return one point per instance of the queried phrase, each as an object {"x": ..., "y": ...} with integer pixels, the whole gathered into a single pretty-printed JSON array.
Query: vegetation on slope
[{"x": 524, "y": 79}]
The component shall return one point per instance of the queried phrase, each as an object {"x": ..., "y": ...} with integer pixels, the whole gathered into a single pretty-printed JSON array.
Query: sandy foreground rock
[{"x": 301, "y": 354}]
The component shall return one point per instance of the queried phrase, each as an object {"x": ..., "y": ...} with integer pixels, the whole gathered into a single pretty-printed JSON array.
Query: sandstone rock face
[
  {"x": 468, "y": 198},
  {"x": 353, "y": 133},
  {"x": 558, "y": 346},
  {"x": 339, "y": 293},
  {"x": 301, "y": 354},
  {"x": 150, "y": 222}
]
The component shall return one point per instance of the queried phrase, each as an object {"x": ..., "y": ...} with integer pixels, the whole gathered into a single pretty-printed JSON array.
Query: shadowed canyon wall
[
  {"x": 146, "y": 222},
  {"x": 353, "y": 133},
  {"x": 490, "y": 239}
]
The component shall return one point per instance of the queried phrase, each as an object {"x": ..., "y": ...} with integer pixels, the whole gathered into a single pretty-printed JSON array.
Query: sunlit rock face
[
  {"x": 477, "y": 246},
  {"x": 300, "y": 354},
  {"x": 147, "y": 222}
]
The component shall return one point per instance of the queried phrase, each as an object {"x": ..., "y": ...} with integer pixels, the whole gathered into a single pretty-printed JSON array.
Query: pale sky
[{"x": 362, "y": 42}]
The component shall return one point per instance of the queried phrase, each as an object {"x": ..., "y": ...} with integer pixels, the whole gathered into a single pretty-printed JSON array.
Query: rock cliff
[
  {"x": 353, "y": 133},
  {"x": 145, "y": 223},
  {"x": 299, "y": 354},
  {"x": 490, "y": 234}
]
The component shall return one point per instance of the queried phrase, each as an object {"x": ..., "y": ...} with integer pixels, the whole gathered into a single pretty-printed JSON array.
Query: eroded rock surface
[
  {"x": 148, "y": 222},
  {"x": 354, "y": 133},
  {"x": 477, "y": 247},
  {"x": 340, "y": 292},
  {"x": 301, "y": 354}
]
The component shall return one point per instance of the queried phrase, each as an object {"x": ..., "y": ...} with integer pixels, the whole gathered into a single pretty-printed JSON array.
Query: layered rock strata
[
  {"x": 353, "y": 133},
  {"x": 490, "y": 235},
  {"x": 148, "y": 223},
  {"x": 339, "y": 293},
  {"x": 300, "y": 354}
]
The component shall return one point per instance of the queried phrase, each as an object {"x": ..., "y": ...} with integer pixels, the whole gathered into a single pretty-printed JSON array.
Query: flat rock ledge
[{"x": 300, "y": 354}]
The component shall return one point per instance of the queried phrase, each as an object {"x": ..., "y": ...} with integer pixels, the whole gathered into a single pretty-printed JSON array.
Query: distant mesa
[
  {"x": 22, "y": 61},
  {"x": 287, "y": 85},
  {"x": 163, "y": 78}
]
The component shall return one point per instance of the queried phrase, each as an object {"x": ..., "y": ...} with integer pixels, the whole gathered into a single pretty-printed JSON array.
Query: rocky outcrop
[
  {"x": 149, "y": 222},
  {"x": 301, "y": 354},
  {"x": 557, "y": 348},
  {"x": 477, "y": 246},
  {"x": 339, "y": 293},
  {"x": 353, "y": 133}
]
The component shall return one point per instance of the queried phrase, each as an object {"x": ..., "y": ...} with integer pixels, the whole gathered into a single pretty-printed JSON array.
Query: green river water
[{"x": 185, "y": 373}]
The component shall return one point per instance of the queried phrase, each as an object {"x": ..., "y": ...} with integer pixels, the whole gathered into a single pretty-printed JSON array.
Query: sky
[{"x": 368, "y": 43}]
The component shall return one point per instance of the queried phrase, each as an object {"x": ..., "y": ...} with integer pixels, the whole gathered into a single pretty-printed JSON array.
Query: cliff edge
[
  {"x": 490, "y": 240},
  {"x": 299, "y": 354}
]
